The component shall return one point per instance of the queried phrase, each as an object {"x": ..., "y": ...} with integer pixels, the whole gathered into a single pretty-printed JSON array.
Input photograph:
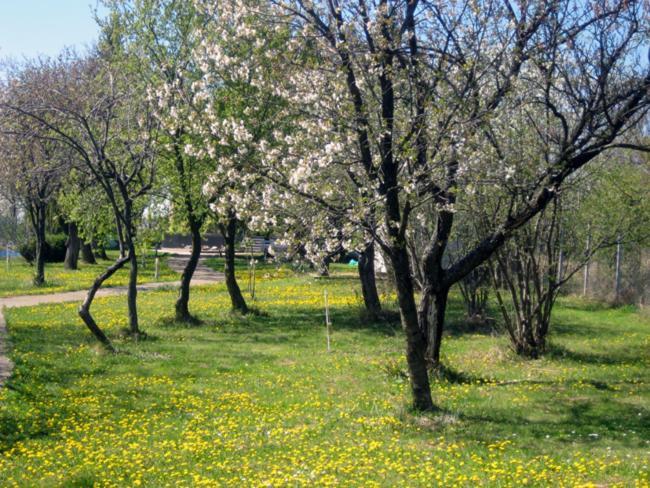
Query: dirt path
[{"x": 203, "y": 276}]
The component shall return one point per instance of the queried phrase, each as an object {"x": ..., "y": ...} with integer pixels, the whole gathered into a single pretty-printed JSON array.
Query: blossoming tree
[{"x": 424, "y": 92}]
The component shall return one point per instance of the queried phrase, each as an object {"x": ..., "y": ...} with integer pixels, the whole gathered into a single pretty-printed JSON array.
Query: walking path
[
  {"x": 203, "y": 276},
  {"x": 203, "y": 272}
]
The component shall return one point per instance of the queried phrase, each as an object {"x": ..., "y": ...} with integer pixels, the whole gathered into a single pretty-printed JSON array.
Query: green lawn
[
  {"x": 18, "y": 281},
  {"x": 258, "y": 401}
]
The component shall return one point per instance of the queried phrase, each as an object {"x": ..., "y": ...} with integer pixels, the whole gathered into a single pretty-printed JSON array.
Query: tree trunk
[
  {"x": 529, "y": 345},
  {"x": 73, "y": 245},
  {"x": 132, "y": 294},
  {"x": 84, "y": 310},
  {"x": 415, "y": 339},
  {"x": 323, "y": 267},
  {"x": 39, "y": 277},
  {"x": 87, "y": 255},
  {"x": 182, "y": 303},
  {"x": 368, "y": 281},
  {"x": 100, "y": 252},
  {"x": 435, "y": 327},
  {"x": 236, "y": 297}
]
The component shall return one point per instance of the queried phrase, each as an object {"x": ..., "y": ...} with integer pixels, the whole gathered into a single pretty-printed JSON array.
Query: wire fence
[{"x": 619, "y": 275}]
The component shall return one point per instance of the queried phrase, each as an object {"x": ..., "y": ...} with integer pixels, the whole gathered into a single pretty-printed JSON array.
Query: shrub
[
  {"x": 54, "y": 248},
  {"x": 56, "y": 252}
]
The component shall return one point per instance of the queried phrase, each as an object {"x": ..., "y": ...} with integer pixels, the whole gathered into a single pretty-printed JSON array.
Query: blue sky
[{"x": 29, "y": 28}]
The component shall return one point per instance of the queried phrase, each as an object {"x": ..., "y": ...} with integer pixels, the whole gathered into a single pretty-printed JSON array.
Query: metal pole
[{"x": 7, "y": 257}]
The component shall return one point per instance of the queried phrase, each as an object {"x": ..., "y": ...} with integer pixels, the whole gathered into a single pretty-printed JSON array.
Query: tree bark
[
  {"x": 323, "y": 267},
  {"x": 132, "y": 294},
  {"x": 368, "y": 281},
  {"x": 436, "y": 324},
  {"x": 415, "y": 339},
  {"x": 84, "y": 310},
  {"x": 73, "y": 245},
  {"x": 87, "y": 255},
  {"x": 236, "y": 297},
  {"x": 39, "y": 277},
  {"x": 182, "y": 303}
]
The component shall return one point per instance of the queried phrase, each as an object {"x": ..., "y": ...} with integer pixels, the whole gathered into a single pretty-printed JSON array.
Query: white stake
[
  {"x": 618, "y": 268},
  {"x": 253, "y": 282},
  {"x": 585, "y": 278},
  {"x": 327, "y": 321}
]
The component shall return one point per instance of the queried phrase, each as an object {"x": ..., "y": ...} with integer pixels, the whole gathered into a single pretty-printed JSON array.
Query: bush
[
  {"x": 54, "y": 248},
  {"x": 112, "y": 245},
  {"x": 56, "y": 253}
]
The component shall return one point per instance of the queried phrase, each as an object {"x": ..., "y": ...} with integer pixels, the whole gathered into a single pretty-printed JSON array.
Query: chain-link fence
[{"x": 627, "y": 282}]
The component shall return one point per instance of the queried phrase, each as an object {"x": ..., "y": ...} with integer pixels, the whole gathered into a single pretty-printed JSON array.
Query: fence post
[
  {"x": 157, "y": 272},
  {"x": 618, "y": 268},
  {"x": 585, "y": 280},
  {"x": 253, "y": 282},
  {"x": 327, "y": 320}
]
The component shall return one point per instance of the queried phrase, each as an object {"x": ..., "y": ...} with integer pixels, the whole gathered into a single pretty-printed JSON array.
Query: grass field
[
  {"x": 257, "y": 401},
  {"x": 18, "y": 281}
]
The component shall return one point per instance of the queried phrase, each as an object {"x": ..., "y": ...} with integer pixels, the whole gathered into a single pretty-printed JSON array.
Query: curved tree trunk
[
  {"x": 84, "y": 310},
  {"x": 182, "y": 303},
  {"x": 87, "y": 255},
  {"x": 236, "y": 297},
  {"x": 73, "y": 245},
  {"x": 368, "y": 281},
  {"x": 415, "y": 339}
]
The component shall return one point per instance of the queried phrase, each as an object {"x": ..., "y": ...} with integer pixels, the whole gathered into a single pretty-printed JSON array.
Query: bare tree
[
  {"x": 587, "y": 216},
  {"x": 33, "y": 167},
  {"x": 90, "y": 105}
]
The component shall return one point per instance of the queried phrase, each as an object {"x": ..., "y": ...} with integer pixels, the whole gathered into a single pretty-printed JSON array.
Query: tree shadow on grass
[
  {"x": 303, "y": 320},
  {"x": 579, "y": 420},
  {"x": 462, "y": 326},
  {"x": 560, "y": 327},
  {"x": 454, "y": 376},
  {"x": 609, "y": 357}
]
